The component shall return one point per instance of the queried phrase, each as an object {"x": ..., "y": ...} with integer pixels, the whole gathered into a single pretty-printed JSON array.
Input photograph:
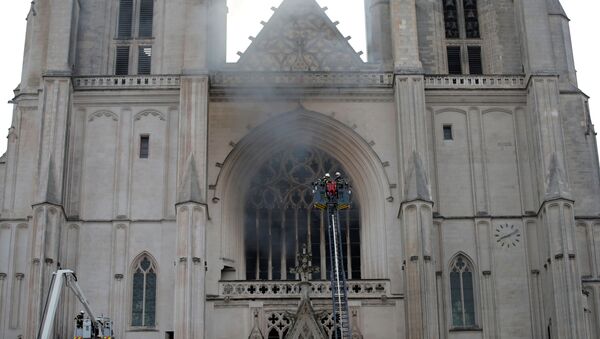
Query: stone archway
[{"x": 327, "y": 134}]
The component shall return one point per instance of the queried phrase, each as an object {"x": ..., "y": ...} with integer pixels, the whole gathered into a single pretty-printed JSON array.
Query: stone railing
[
  {"x": 475, "y": 82},
  {"x": 126, "y": 82},
  {"x": 302, "y": 79},
  {"x": 290, "y": 289}
]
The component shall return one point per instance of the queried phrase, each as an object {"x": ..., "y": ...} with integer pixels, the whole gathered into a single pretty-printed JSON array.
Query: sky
[{"x": 247, "y": 15}]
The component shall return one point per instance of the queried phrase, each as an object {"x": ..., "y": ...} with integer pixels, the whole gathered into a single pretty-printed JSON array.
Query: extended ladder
[
  {"x": 338, "y": 275},
  {"x": 332, "y": 195}
]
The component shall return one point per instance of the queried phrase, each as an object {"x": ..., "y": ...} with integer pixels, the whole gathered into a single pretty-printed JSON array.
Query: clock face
[{"x": 508, "y": 235}]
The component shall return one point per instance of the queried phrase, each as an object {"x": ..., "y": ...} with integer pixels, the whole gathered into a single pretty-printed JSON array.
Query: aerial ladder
[
  {"x": 85, "y": 328},
  {"x": 333, "y": 195}
]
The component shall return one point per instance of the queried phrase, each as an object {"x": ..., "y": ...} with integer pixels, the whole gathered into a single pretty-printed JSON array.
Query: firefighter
[{"x": 79, "y": 319}]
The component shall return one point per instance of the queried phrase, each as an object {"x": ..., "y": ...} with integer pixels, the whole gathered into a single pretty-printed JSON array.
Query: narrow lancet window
[
  {"x": 451, "y": 19},
  {"x": 143, "y": 303},
  {"x": 462, "y": 293},
  {"x": 146, "y": 18},
  {"x": 125, "y": 18},
  {"x": 144, "y": 146},
  {"x": 471, "y": 19}
]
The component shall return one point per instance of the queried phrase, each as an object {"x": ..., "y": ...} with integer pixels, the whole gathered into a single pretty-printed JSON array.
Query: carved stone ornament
[
  {"x": 255, "y": 333},
  {"x": 300, "y": 37},
  {"x": 306, "y": 325}
]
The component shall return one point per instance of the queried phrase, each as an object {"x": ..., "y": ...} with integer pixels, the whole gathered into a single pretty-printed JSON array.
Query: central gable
[{"x": 300, "y": 37}]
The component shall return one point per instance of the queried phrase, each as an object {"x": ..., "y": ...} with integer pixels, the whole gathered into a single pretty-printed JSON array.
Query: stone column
[
  {"x": 123, "y": 188},
  {"x": 191, "y": 209},
  {"x": 561, "y": 281},
  {"x": 36, "y": 41},
  {"x": 46, "y": 225},
  {"x": 191, "y": 267},
  {"x": 63, "y": 24},
  {"x": 379, "y": 35},
  {"x": 536, "y": 43},
  {"x": 118, "y": 285},
  {"x": 48, "y": 211},
  {"x": 561, "y": 41},
  {"x": 218, "y": 33},
  {"x": 195, "y": 53},
  {"x": 405, "y": 44},
  {"x": 560, "y": 276},
  {"x": 416, "y": 211},
  {"x": 420, "y": 279}
]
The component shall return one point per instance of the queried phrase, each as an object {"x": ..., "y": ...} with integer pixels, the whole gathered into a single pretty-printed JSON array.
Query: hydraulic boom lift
[{"x": 94, "y": 327}]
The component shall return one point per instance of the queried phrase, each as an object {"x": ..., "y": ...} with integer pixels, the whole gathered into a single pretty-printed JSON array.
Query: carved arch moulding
[
  {"x": 317, "y": 130},
  {"x": 103, "y": 114},
  {"x": 149, "y": 113}
]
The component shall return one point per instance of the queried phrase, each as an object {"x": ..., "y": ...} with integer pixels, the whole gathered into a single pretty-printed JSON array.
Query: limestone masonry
[{"x": 178, "y": 186}]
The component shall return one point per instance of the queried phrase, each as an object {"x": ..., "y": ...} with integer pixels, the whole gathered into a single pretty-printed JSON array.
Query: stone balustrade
[
  {"x": 126, "y": 82},
  {"x": 300, "y": 79},
  {"x": 475, "y": 82},
  {"x": 291, "y": 289}
]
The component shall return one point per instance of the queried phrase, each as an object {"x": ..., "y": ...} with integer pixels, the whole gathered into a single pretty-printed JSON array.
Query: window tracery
[
  {"x": 278, "y": 325},
  {"x": 279, "y": 217},
  {"x": 143, "y": 303},
  {"x": 462, "y": 293}
]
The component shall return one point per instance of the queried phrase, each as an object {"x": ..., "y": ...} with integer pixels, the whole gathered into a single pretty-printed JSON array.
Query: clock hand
[{"x": 508, "y": 235}]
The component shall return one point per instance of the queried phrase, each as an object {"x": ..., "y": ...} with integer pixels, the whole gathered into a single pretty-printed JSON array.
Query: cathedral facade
[{"x": 178, "y": 186}]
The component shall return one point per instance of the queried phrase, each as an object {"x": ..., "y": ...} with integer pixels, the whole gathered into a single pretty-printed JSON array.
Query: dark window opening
[
  {"x": 125, "y": 18},
  {"x": 475, "y": 64},
  {"x": 451, "y": 19},
  {"x": 169, "y": 335},
  {"x": 122, "y": 60},
  {"x": 448, "y": 132},
  {"x": 280, "y": 218},
  {"x": 454, "y": 63},
  {"x": 144, "y": 146},
  {"x": 144, "y": 60},
  {"x": 471, "y": 19},
  {"x": 146, "y": 16}
]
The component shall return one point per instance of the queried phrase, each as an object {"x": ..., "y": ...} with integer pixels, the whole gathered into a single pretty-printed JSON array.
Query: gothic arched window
[
  {"x": 463, "y": 49},
  {"x": 462, "y": 292},
  {"x": 143, "y": 295},
  {"x": 280, "y": 218}
]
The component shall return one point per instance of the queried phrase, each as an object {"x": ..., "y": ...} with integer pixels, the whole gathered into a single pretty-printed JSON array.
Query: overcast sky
[{"x": 244, "y": 21}]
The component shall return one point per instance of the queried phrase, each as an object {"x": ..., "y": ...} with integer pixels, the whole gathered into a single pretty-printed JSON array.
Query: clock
[{"x": 508, "y": 235}]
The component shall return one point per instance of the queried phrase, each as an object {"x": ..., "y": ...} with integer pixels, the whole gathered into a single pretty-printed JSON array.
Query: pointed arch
[
  {"x": 462, "y": 294},
  {"x": 144, "y": 274},
  {"x": 303, "y": 127}
]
